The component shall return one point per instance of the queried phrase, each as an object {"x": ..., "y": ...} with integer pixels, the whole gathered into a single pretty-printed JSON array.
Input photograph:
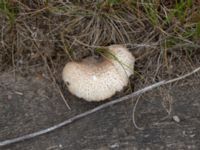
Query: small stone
[
  {"x": 9, "y": 97},
  {"x": 60, "y": 146},
  {"x": 115, "y": 145},
  {"x": 176, "y": 118}
]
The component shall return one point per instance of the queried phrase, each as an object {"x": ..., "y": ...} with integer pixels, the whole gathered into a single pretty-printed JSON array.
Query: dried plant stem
[
  {"x": 98, "y": 108},
  {"x": 152, "y": 45},
  {"x": 133, "y": 115}
]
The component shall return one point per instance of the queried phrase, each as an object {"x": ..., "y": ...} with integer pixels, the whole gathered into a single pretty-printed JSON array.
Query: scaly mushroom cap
[{"x": 96, "y": 80}]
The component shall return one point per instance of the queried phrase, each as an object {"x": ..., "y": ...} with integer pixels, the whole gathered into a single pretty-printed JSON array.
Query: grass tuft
[
  {"x": 164, "y": 35},
  {"x": 8, "y": 9}
]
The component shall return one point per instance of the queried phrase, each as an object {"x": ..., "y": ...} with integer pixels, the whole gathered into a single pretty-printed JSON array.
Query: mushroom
[{"x": 98, "y": 79}]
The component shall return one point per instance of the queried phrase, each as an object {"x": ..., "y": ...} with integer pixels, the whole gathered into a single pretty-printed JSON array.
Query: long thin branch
[
  {"x": 98, "y": 108},
  {"x": 152, "y": 45}
]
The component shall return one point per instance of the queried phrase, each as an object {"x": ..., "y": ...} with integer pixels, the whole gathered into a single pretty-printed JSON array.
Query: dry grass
[{"x": 165, "y": 36}]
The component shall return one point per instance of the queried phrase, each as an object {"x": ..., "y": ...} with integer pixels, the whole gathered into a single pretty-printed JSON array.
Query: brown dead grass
[{"x": 50, "y": 33}]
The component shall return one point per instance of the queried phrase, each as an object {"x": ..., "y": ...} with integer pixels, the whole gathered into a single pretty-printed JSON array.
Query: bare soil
[{"x": 32, "y": 103}]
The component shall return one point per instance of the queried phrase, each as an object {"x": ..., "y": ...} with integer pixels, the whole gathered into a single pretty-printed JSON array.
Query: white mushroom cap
[{"x": 95, "y": 80}]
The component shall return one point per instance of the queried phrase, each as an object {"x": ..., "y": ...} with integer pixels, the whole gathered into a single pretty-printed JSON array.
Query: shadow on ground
[{"x": 29, "y": 104}]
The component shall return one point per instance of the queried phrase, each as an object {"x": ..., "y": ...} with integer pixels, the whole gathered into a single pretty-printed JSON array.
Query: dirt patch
[{"x": 29, "y": 104}]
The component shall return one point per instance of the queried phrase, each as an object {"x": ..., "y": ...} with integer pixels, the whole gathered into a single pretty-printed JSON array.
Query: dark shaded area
[{"x": 33, "y": 103}]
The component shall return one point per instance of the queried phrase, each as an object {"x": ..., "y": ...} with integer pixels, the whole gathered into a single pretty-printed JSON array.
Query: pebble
[
  {"x": 176, "y": 118},
  {"x": 9, "y": 97}
]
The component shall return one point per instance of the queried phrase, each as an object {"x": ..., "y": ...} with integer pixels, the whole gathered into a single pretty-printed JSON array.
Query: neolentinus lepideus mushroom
[{"x": 98, "y": 79}]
